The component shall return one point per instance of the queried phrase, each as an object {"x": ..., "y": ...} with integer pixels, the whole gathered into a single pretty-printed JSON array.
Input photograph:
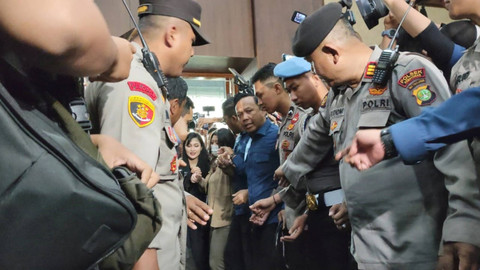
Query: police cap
[
  {"x": 313, "y": 30},
  {"x": 187, "y": 10},
  {"x": 292, "y": 67}
]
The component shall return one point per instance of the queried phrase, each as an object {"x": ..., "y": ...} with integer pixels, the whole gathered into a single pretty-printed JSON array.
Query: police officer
[
  {"x": 396, "y": 211},
  {"x": 138, "y": 114},
  {"x": 325, "y": 246},
  {"x": 273, "y": 97}
]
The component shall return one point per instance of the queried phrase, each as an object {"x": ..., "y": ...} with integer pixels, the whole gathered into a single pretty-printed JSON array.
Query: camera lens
[{"x": 371, "y": 11}]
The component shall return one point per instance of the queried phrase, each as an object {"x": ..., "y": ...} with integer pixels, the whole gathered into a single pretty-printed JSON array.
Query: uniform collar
[
  {"x": 371, "y": 65},
  {"x": 366, "y": 78},
  {"x": 139, "y": 48}
]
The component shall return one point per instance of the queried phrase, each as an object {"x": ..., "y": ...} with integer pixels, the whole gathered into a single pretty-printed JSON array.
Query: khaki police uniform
[
  {"x": 397, "y": 211},
  {"x": 289, "y": 133},
  {"x": 135, "y": 113}
]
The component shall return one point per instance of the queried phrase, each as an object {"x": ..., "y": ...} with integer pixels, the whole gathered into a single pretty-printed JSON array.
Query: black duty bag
[{"x": 59, "y": 207}]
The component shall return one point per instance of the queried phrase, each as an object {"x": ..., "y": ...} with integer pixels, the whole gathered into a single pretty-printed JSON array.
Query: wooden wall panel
[
  {"x": 273, "y": 28},
  {"x": 116, "y": 15},
  {"x": 227, "y": 23},
  {"x": 229, "y": 26}
]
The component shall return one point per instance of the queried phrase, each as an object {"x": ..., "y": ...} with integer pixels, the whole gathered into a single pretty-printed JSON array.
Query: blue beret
[
  {"x": 292, "y": 67},
  {"x": 313, "y": 30}
]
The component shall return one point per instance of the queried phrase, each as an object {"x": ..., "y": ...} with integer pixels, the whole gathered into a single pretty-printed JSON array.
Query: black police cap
[
  {"x": 313, "y": 30},
  {"x": 187, "y": 10}
]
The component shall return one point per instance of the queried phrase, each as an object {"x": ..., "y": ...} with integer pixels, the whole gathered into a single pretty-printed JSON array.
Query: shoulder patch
[
  {"x": 141, "y": 110},
  {"x": 142, "y": 88},
  {"x": 375, "y": 91},
  {"x": 410, "y": 76},
  {"x": 424, "y": 95}
]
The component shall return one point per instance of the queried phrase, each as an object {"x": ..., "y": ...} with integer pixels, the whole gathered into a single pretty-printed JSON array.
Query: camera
[
  {"x": 244, "y": 86},
  {"x": 371, "y": 11}
]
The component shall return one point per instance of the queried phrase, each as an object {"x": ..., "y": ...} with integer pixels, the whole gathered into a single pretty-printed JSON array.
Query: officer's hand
[
  {"x": 115, "y": 154},
  {"x": 280, "y": 176},
  {"x": 120, "y": 68},
  {"x": 461, "y": 256},
  {"x": 296, "y": 229},
  {"x": 339, "y": 214},
  {"x": 197, "y": 212},
  {"x": 240, "y": 197},
  {"x": 263, "y": 207},
  {"x": 366, "y": 150}
]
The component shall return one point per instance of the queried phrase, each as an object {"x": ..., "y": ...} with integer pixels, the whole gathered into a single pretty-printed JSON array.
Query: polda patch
[
  {"x": 141, "y": 110},
  {"x": 424, "y": 95},
  {"x": 410, "y": 76}
]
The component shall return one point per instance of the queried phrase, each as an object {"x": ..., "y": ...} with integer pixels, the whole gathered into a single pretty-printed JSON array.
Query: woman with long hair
[{"x": 197, "y": 166}]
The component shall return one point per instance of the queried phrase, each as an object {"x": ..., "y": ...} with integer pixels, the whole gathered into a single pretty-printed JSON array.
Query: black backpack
[{"x": 59, "y": 207}]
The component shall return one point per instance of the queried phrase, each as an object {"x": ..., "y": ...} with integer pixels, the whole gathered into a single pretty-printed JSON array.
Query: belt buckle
[{"x": 311, "y": 202}]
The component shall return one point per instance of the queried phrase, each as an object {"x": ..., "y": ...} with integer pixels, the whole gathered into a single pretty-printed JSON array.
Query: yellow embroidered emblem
[{"x": 141, "y": 110}]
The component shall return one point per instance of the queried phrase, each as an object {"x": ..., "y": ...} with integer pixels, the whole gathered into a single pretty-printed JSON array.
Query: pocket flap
[{"x": 372, "y": 119}]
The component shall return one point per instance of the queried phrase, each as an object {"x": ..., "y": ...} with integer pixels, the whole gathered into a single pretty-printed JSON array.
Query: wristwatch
[
  {"x": 388, "y": 145},
  {"x": 389, "y": 33}
]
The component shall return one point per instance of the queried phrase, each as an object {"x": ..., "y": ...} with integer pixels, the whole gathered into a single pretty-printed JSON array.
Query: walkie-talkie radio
[
  {"x": 150, "y": 60},
  {"x": 388, "y": 58},
  {"x": 385, "y": 65}
]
